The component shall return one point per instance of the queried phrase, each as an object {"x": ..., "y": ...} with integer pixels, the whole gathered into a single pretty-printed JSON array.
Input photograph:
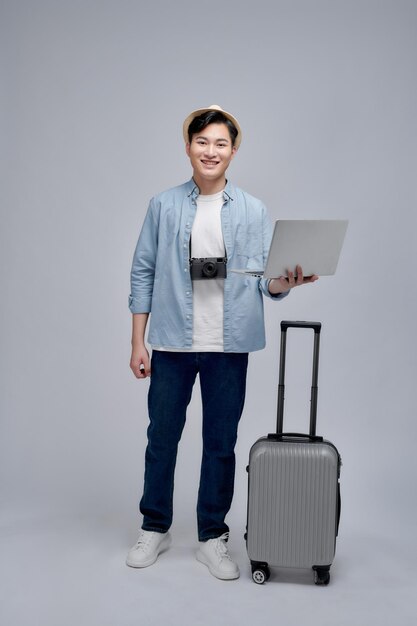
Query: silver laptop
[{"x": 313, "y": 244}]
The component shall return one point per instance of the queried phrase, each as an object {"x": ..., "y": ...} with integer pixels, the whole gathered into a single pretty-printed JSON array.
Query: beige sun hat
[{"x": 213, "y": 107}]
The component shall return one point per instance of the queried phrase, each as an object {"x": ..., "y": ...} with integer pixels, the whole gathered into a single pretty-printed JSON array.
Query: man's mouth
[{"x": 210, "y": 163}]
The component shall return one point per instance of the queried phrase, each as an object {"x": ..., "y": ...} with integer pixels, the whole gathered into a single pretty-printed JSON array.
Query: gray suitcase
[{"x": 293, "y": 490}]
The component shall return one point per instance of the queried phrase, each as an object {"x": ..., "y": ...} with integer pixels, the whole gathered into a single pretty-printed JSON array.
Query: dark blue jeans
[{"x": 223, "y": 385}]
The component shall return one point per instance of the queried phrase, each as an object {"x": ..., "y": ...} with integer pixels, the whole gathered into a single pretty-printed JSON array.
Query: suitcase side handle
[
  {"x": 316, "y": 326},
  {"x": 279, "y": 436}
]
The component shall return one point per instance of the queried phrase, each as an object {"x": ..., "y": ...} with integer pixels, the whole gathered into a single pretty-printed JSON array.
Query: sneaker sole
[
  {"x": 164, "y": 545},
  {"x": 215, "y": 572}
]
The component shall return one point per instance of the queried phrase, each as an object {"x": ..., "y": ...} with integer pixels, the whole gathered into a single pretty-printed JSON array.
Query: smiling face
[{"x": 210, "y": 153}]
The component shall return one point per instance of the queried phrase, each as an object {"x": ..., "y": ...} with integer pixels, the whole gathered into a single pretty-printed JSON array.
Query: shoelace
[
  {"x": 144, "y": 540},
  {"x": 221, "y": 547}
]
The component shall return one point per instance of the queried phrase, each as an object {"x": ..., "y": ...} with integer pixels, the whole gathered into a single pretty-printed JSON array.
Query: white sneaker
[
  {"x": 147, "y": 548},
  {"x": 215, "y": 555}
]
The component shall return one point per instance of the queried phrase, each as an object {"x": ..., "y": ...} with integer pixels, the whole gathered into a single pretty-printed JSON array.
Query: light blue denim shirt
[{"x": 160, "y": 276}]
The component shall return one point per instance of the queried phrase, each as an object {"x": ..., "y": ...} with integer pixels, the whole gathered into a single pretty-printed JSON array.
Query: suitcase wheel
[
  {"x": 321, "y": 575},
  {"x": 260, "y": 574}
]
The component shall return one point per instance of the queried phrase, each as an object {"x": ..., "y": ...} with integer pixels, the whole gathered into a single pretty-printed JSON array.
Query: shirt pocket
[
  {"x": 169, "y": 226},
  {"x": 249, "y": 240}
]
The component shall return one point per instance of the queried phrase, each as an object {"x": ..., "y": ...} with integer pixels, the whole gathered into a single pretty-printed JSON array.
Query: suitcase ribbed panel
[{"x": 292, "y": 503}]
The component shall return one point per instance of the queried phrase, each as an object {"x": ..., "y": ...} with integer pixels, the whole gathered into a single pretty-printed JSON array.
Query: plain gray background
[{"x": 93, "y": 98}]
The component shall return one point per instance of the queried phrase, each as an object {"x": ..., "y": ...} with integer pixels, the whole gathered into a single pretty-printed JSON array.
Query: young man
[{"x": 204, "y": 320}]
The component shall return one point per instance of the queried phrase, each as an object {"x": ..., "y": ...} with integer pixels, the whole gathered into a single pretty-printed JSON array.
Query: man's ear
[
  {"x": 187, "y": 148},
  {"x": 234, "y": 150}
]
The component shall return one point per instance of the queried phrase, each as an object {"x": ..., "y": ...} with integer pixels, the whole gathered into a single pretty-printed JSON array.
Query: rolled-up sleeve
[{"x": 143, "y": 266}]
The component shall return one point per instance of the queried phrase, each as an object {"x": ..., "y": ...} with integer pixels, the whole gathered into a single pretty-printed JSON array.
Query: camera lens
[{"x": 209, "y": 269}]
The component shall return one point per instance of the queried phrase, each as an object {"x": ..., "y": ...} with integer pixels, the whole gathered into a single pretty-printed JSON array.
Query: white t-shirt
[{"x": 208, "y": 294}]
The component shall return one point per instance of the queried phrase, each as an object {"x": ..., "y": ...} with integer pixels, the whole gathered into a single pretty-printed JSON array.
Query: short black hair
[{"x": 211, "y": 117}]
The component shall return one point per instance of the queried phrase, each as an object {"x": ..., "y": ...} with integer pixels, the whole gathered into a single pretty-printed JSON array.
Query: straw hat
[{"x": 213, "y": 107}]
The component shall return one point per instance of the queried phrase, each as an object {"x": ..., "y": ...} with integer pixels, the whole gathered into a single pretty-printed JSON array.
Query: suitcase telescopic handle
[{"x": 285, "y": 325}]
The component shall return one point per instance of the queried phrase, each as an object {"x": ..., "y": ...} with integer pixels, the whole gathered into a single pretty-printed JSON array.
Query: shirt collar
[{"x": 193, "y": 190}]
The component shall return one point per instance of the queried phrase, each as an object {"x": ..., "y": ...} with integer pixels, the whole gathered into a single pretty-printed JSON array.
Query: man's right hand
[{"x": 140, "y": 363}]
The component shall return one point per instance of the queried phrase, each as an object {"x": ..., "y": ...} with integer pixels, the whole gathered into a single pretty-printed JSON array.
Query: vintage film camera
[{"x": 208, "y": 267}]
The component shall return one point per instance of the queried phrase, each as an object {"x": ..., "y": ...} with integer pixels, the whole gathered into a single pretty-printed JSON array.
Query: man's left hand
[{"x": 294, "y": 279}]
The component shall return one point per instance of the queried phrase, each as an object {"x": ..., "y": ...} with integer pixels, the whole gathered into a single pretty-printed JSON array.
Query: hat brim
[{"x": 198, "y": 112}]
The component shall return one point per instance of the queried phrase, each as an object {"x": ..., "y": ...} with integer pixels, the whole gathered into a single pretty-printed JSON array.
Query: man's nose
[{"x": 210, "y": 150}]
